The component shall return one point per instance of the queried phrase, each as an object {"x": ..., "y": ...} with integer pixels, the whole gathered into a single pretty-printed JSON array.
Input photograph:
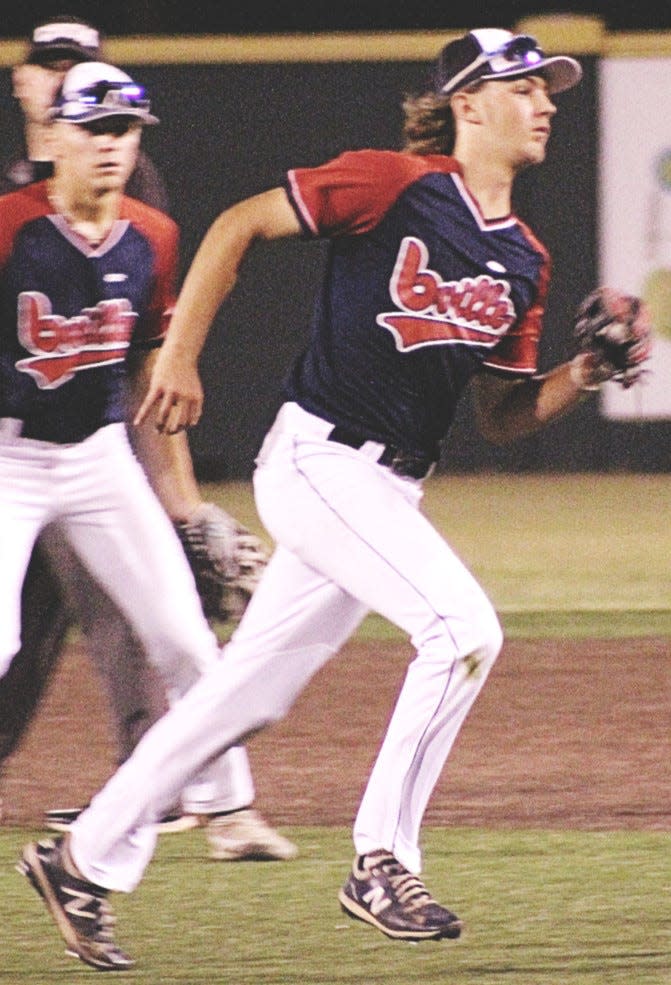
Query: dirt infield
[{"x": 564, "y": 735}]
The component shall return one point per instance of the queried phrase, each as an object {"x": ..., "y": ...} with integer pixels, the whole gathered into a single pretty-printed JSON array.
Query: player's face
[
  {"x": 98, "y": 156},
  {"x": 35, "y": 87},
  {"x": 517, "y": 115}
]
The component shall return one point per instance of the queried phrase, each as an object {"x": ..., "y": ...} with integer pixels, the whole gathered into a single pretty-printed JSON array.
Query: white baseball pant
[
  {"x": 351, "y": 538},
  {"x": 99, "y": 494}
]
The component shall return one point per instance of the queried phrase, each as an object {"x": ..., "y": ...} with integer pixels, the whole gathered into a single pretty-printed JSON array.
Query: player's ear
[
  {"x": 465, "y": 105},
  {"x": 19, "y": 79}
]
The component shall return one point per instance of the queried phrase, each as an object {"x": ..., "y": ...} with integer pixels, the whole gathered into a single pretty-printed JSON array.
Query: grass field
[
  {"x": 558, "y": 908},
  {"x": 573, "y": 556}
]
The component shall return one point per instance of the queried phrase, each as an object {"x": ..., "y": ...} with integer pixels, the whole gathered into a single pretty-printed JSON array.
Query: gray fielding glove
[
  {"x": 612, "y": 338},
  {"x": 226, "y": 558}
]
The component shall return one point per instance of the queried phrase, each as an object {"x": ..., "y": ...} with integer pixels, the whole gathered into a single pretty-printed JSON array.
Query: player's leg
[
  {"x": 273, "y": 653},
  {"x": 134, "y": 689},
  {"x": 45, "y": 620},
  {"x": 130, "y": 545},
  {"x": 126, "y": 540},
  {"x": 24, "y": 507},
  {"x": 361, "y": 526}
]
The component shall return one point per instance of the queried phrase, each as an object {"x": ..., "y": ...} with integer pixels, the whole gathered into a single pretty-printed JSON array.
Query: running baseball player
[
  {"x": 432, "y": 283},
  {"x": 225, "y": 557}
]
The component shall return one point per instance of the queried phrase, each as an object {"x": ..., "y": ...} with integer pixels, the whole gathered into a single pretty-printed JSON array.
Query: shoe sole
[
  {"x": 250, "y": 853},
  {"x": 357, "y": 912},
  {"x": 30, "y": 866},
  {"x": 184, "y": 823}
]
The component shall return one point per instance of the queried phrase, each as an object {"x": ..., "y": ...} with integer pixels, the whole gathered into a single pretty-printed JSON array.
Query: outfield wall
[{"x": 236, "y": 113}]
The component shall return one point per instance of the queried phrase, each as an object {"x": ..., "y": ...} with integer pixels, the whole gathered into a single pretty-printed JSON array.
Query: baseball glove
[
  {"x": 612, "y": 337},
  {"x": 227, "y": 560}
]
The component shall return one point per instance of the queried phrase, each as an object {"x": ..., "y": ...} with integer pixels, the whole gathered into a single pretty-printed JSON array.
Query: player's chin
[
  {"x": 534, "y": 153},
  {"x": 110, "y": 179}
]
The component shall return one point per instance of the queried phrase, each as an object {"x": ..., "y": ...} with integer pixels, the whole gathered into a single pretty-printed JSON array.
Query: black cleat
[
  {"x": 79, "y": 908},
  {"x": 382, "y": 892}
]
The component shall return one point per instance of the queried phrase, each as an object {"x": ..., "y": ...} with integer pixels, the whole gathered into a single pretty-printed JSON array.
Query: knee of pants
[{"x": 474, "y": 633}]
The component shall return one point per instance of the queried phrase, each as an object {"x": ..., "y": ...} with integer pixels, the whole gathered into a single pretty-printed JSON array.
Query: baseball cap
[
  {"x": 93, "y": 90},
  {"x": 492, "y": 53},
  {"x": 63, "y": 38}
]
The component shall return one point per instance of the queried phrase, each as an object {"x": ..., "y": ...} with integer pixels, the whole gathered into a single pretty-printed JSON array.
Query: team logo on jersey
[
  {"x": 61, "y": 346},
  {"x": 470, "y": 311}
]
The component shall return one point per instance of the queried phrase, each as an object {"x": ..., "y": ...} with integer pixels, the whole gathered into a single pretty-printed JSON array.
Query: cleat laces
[{"x": 408, "y": 889}]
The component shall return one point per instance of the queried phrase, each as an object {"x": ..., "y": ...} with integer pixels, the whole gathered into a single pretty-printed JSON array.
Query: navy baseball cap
[
  {"x": 491, "y": 53},
  {"x": 93, "y": 90},
  {"x": 63, "y": 38}
]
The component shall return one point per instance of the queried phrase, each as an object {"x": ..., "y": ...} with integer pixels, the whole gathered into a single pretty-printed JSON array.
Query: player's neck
[
  {"x": 90, "y": 215},
  {"x": 489, "y": 183}
]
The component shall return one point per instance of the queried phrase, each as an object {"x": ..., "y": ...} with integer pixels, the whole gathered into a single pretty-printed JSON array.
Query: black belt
[
  {"x": 404, "y": 463},
  {"x": 37, "y": 430}
]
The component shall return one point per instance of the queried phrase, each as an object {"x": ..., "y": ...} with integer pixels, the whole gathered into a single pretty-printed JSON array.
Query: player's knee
[
  {"x": 473, "y": 633},
  {"x": 491, "y": 634}
]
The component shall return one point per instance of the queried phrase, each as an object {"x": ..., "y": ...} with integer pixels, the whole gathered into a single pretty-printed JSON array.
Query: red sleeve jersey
[
  {"x": 70, "y": 310},
  {"x": 421, "y": 292}
]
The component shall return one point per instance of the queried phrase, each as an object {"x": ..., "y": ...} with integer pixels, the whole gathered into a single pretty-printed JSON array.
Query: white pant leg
[
  {"x": 122, "y": 533},
  {"x": 25, "y": 503},
  {"x": 302, "y": 619},
  {"x": 138, "y": 697},
  {"x": 361, "y": 526},
  {"x": 357, "y": 541}
]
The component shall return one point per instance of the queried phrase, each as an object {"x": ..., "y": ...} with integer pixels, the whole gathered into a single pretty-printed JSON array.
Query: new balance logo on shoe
[
  {"x": 382, "y": 892},
  {"x": 376, "y": 900},
  {"x": 77, "y": 906},
  {"x": 79, "y": 909}
]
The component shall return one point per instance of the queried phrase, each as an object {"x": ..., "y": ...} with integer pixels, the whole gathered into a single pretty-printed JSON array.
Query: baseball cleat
[
  {"x": 79, "y": 908},
  {"x": 60, "y": 819},
  {"x": 245, "y": 836},
  {"x": 380, "y": 891}
]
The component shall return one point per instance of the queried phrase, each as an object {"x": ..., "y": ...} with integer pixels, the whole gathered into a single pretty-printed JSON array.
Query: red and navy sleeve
[
  {"x": 163, "y": 234},
  {"x": 351, "y": 194}
]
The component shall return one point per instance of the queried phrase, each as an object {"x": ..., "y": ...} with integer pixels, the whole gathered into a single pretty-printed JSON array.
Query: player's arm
[
  {"x": 175, "y": 391},
  {"x": 509, "y": 409},
  {"x": 165, "y": 458}
]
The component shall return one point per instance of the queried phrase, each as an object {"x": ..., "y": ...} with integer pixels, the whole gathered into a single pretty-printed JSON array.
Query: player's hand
[{"x": 174, "y": 395}]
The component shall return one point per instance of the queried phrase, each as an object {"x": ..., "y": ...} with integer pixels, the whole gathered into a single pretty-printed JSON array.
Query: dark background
[
  {"x": 229, "y": 131},
  {"x": 260, "y": 16}
]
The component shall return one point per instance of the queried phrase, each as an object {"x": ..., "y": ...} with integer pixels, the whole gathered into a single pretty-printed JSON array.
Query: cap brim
[
  {"x": 102, "y": 112},
  {"x": 560, "y": 71},
  {"x": 55, "y": 53}
]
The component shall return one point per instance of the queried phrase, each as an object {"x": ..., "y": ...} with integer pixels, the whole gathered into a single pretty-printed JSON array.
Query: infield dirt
[{"x": 566, "y": 734}]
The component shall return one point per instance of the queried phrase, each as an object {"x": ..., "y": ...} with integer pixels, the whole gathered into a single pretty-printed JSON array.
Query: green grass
[
  {"x": 541, "y": 908},
  {"x": 559, "y": 555},
  {"x": 574, "y": 556},
  {"x": 546, "y": 543}
]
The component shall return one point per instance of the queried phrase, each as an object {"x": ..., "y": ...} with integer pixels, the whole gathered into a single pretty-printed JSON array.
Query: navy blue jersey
[
  {"x": 420, "y": 293},
  {"x": 69, "y": 312}
]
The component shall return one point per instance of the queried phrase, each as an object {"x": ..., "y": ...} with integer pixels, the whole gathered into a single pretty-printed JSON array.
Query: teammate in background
[
  {"x": 137, "y": 697},
  {"x": 55, "y": 46},
  {"x": 88, "y": 278},
  {"x": 432, "y": 283}
]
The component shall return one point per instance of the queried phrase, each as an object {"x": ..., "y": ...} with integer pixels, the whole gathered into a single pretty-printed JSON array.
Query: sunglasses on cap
[
  {"x": 114, "y": 94},
  {"x": 468, "y": 60},
  {"x": 102, "y": 99}
]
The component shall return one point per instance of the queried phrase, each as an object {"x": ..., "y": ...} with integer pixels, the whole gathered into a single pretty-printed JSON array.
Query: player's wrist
[{"x": 583, "y": 374}]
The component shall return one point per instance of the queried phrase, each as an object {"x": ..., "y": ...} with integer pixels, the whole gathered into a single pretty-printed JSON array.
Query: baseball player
[
  {"x": 225, "y": 557},
  {"x": 54, "y": 47},
  {"x": 87, "y": 278},
  {"x": 432, "y": 282}
]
